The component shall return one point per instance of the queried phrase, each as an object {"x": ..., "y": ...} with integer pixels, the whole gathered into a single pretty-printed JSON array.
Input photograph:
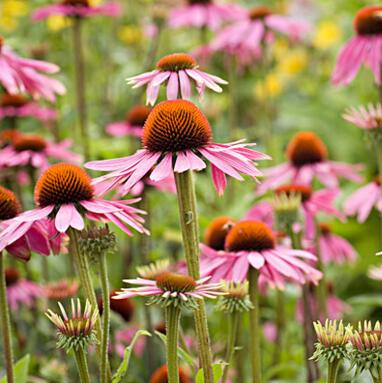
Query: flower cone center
[
  {"x": 76, "y": 3},
  {"x": 217, "y": 231},
  {"x": 259, "y": 13},
  {"x": 325, "y": 228},
  {"x": 15, "y": 100},
  {"x": 306, "y": 148},
  {"x": 161, "y": 376},
  {"x": 12, "y": 276},
  {"x": 137, "y": 116},
  {"x": 33, "y": 143},
  {"x": 368, "y": 21},
  {"x": 175, "y": 282},
  {"x": 7, "y": 136},
  {"x": 304, "y": 191},
  {"x": 176, "y": 62},
  {"x": 193, "y": 2},
  {"x": 9, "y": 205},
  {"x": 63, "y": 184},
  {"x": 176, "y": 125},
  {"x": 250, "y": 236}
]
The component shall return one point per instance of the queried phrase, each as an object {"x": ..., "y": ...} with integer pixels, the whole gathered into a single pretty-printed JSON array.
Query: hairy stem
[
  {"x": 230, "y": 351},
  {"x": 172, "y": 331},
  {"x": 5, "y": 323},
  {"x": 333, "y": 368},
  {"x": 254, "y": 325},
  {"x": 280, "y": 325},
  {"x": 82, "y": 365},
  {"x": 190, "y": 233}
]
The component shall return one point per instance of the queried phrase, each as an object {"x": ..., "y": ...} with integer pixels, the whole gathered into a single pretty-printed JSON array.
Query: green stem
[
  {"x": 82, "y": 365},
  {"x": 333, "y": 371},
  {"x": 280, "y": 324},
  {"x": 254, "y": 325},
  {"x": 105, "y": 317},
  {"x": 172, "y": 331},
  {"x": 5, "y": 323},
  {"x": 190, "y": 233},
  {"x": 233, "y": 106},
  {"x": 79, "y": 67},
  {"x": 83, "y": 270},
  {"x": 240, "y": 357},
  {"x": 321, "y": 289},
  {"x": 232, "y": 334}
]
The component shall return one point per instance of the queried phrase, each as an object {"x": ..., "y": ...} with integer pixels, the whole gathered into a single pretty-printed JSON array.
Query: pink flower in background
[
  {"x": 362, "y": 201},
  {"x": 375, "y": 272},
  {"x": 307, "y": 160},
  {"x": 261, "y": 211},
  {"x": 365, "y": 48},
  {"x": 253, "y": 244},
  {"x": 77, "y": 8},
  {"x": 204, "y": 14},
  {"x": 368, "y": 118},
  {"x": 175, "y": 136},
  {"x": 270, "y": 331},
  {"x": 245, "y": 37},
  {"x": 16, "y": 105},
  {"x": 35, "y": 151},
  {"x": 333, "y": 248},
  {"x": 20, "y": 291},
  {"x": 35, "y": 239},
  {"x": 123, "y": 339},
  {"x": 133, "y": 124},
  {"x": 176, "y": 71},
  {"x": 64, "y": 195},
  {"x": 18, "y": 75},
  {"x": 167, "y": 185}
]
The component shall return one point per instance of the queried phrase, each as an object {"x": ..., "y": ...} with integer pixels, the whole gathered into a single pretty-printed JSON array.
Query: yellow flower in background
[
  {"x": 294, "y": 62},
  {"x": 130, "y": 34},
  {"x": 280, "y": 48},
  {"x": 57, "y": 22},
  {"x": 10, "y": 11},
  {"x": 94, "y": 3},
  {"x": 327, "y": 34},
  {"x": 270, "y": 87}
]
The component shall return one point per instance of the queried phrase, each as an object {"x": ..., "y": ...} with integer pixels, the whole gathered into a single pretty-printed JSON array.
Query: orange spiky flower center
[
  {"x": 176, "y": 62},
  {"x": 9, "y": 204},
  {"x": 176, "y": 125},
  {"x": 31, "y": 142},
  {"x": 193, "y": 2},
  {"x": 325, "y": 228},
  {"x": 76, "y": 3},
  {"x": 173, "y": 282},
  {"x": 250, "y": 236},
  {"x": 259, "y": 13},
  {"x": 377, "y": 180},
  {"x": 63, "y": 184},
  {"x": 161, "y": 376},
  {"x": 7, "y": 136},
  {"x": 368, "y": 20},
  {"x": 14, "y": 100},
  {"x": 217, "y": 231},
  {"x": 12, "y": 276},
  {"x": 304, "y": 191},
  {"x": 306, "y": 148},
  {"x": 137, "y": 115}
]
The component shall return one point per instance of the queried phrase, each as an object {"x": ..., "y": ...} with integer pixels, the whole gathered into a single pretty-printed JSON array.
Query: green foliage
[
  {"x": 217, "y": 369},
  {"x": 21, "y": 368}
]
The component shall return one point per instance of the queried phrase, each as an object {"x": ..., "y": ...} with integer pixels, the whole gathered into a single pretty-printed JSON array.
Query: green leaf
[
  {"x": 21, "y": 369},
  {"x": 182, "y": 354},
  {"x": 122, "y": 369},
  {"x": 367, "y": 299},
  {"x": 217, "y": 370}
]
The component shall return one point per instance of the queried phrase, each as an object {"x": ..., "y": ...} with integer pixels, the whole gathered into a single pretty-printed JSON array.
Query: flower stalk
[
  {"x": 190, "y": 233},
  {"x": 6, "y": 324},
  {"x": 254, "y": 325},
  {"x": 234, "y": 321},
  {"x": 333, "y": 368},
  {"x": 172, "y": 331},
  {"x": 82, "y": 365}
]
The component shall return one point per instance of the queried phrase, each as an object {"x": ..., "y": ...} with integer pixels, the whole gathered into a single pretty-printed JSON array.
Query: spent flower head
[
  {"x": 236, "y": 298},
  {"x": 152, "y": 270},
  {"x": 75, "y": 331},
  {"x": 333, "y": 338},
  {"x": 286, "y": 207},
  {"x": 95, "y": 241}
]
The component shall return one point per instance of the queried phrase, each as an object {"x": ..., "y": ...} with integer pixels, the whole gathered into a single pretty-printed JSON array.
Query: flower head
[
  {"x": 96, "y": 241},
  {"x": 366, "y": 353},
  {"x": 236, "y": 298},
  {"x": 369, "y": 117},
  {"x": 286, "y": 205},
  {"x": 332, "y": 341},
  {"x": 375, "y": 272},
  {"x": 161, "y": 376},
  {"x": 360, "y": 49},
  {"x": 9, "y": 204},
  {"x": 217, "y": 231},
  {"x": 176, "y": 134},
  {"x": 171, "y": 289},
  {"x": 19, "y": 75},
  {"x": 154, "y": 269},
  {"x": 62, "y": 289},
  {"x": 75, "y": 331},
  {"x": 176, "y": 70}
]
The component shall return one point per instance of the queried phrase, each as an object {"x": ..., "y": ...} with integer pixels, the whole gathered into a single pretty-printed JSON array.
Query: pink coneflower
[
  {"x": 368, "y": 118},
  {"x": 16, "y": 105},
  {"x": 65, "y": 195},
  {"x": 123, "y": 339},
  {"x": 363, "y": 48},
  {"x": 261, "y": 211},
  {"x": 77, "y": 8},
  {"x": 35, "y": 151},
  {"x": 204, "y": 14},
  {"x": 166, "y": 185},
  {"x": 253, "y": 244},
  {"x": 169, "y": 286},
  {"x": 18, "y": 75},
  {"x": 60, "y": 290},
  {"x": 20, "y": 291},
  {"x": 245, "y": 37},
  {"x": 375, "y": 272},
  {"x": 362, "y": 201},
  {"x": 175, "y": 136},
  {"x": 176, "y": 71},
  {"x": 32, "y": 239},
  {"x": 333, "y": 248},
  {"x": 133, "y": 124},
  {"x": 308, "y": 159}
]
